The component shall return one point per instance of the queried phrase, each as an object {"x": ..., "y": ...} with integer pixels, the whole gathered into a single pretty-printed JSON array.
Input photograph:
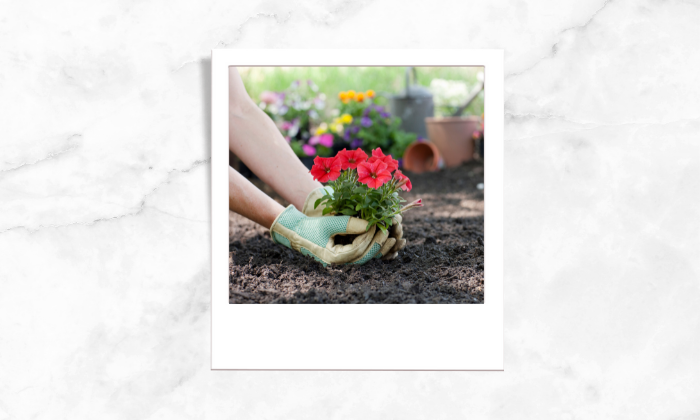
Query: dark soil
[{"x": 443, "y": 261}]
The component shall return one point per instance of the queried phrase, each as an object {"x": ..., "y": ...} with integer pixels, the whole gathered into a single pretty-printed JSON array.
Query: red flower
[
  {"x": 412, "y": 204},
  {"x": 404, "y": 182},
  {"x": 377, "y": 154},
  {"x": 373, "y": 174},
  {"x": 325, "y": 169},
  {"x": 351, "y": 158}
]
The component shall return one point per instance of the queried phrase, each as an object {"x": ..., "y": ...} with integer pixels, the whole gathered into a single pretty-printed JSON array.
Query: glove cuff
[{"x": 314, "y": 195}]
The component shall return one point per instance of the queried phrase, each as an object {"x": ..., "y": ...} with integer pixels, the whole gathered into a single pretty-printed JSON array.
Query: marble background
[{"x": 105, "y": 215}]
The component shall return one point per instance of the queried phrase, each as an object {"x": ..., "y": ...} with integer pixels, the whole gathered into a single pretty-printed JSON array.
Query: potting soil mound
[{"x": 443, "y": 261}]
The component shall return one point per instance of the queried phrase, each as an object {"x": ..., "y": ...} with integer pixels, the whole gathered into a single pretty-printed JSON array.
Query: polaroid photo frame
[{"x": 359, "y": 337}]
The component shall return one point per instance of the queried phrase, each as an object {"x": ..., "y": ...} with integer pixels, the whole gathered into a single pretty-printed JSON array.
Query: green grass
[{"x": 385, "y": 81}]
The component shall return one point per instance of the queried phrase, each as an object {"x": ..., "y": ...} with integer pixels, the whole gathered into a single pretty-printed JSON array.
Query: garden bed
[{"x": 443, "y": 261}]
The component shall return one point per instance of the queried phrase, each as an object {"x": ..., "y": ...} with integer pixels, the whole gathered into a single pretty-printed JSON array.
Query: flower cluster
[
  {"x": 351, "y": 95},
  {"x": 363, "y": 186},
  {"x": 295, "y": 111},
  {"x": 336, "y": 126},
  {"x": 373, "y": 126}
]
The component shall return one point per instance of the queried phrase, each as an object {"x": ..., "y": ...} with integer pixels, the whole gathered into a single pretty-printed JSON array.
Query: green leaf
[
  {"x": 348, "y": 212},
  {"x": 327, "y": 210},
  {"x": 317, "y": 202}
]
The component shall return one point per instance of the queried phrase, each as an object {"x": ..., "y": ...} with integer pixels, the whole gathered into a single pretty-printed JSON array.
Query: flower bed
[{"x": 300, "y": 114}]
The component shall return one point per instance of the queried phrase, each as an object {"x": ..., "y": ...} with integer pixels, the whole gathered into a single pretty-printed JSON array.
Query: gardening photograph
[{"x": 356, "y": 185}]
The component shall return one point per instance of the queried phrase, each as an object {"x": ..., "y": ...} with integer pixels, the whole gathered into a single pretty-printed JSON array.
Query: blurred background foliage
[{"x": 332, "y": 80}]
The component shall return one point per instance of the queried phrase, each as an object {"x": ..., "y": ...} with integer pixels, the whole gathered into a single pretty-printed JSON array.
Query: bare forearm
[
  {"x": 247, "y": 200},
  {"x": 255, "y": 139}
]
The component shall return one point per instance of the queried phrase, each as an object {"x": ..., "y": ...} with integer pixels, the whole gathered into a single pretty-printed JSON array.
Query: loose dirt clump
[{"x": 443, "y": 261}]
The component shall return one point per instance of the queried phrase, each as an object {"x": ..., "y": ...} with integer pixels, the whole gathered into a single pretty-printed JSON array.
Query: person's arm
[
  {"x": 247, "y": 200},
  {"x": 257, "y": 141},
  {"x": 312, "y": 236}
]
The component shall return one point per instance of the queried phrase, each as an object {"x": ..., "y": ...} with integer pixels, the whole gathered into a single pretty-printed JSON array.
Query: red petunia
[
  {"x": 326, "y": 169},
  {"x": 404, "y": 183},
  {"x": 351, "y": 158},
  {"x": 374, "y": 175},
  {"x": 378, "y": 155}
]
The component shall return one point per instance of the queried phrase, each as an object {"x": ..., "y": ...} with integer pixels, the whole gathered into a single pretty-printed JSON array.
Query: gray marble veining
[{"x": 104, "y": 209}]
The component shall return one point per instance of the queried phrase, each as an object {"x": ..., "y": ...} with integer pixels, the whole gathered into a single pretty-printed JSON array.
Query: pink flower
[
  {"x": 269, "y": 97},
  {"x": 326, "y": 140},
  {"x": 286, "y": 125},
  {"x": 309, "y": 150},
  {"x": 412, "y": 204}
]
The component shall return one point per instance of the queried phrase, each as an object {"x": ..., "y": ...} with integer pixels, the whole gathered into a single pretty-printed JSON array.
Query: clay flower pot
[
  {"x": 422, "y": 156},
  {"x": 453, "y": 137}
]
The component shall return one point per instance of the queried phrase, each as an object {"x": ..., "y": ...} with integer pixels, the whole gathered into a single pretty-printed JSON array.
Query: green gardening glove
[
  {"x": 315, "y": 237},
  {"x": 395, "y": 231}
]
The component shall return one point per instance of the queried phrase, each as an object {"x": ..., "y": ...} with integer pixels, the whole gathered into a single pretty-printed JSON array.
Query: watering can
[{"x": 412, "y": 105}]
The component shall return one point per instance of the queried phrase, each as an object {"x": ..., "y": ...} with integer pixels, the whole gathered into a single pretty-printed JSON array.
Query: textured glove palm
[
  {"x": 315, "y": 237},
  {"x": 395, "y": 231}
]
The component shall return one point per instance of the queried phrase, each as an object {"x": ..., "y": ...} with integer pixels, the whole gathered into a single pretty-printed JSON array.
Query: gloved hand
[
  {"x": 395, "y": 231},
  {"x": 315, "y": 237}
]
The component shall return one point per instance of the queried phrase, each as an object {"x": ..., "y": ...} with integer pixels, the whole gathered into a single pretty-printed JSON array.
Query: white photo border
[{"x": 359, "y": 337}]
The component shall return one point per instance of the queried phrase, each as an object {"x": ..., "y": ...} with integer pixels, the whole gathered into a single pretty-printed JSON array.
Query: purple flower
[
  {"x": 400, "y": 162},
  {"x": 355, "y": 129},
  {"x": 384, "y": 114},
  {"x": 366, "y": 122},
  {"x": 346, "y": 136},
  {"x": 379, "y": 108},
  {"x": 309, "y": 150},
  {"x": 356, "y": 143}
]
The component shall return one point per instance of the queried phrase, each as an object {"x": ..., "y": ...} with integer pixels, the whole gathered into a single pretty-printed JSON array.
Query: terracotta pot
[
  {"x": 421, "y": 156},
  {"x": 453, "y": 137}
]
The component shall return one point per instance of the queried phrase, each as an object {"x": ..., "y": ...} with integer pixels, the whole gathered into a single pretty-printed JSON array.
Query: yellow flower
[
  {"x": 337, "y": 128},
  {"x": 346, "y": 100},
  {"x": 370, "y": 93},
  {"x": 322, "y": 129},
  {"x": 342, "y": 96},
  {"x": 360, "y": 96},
  {"x": 346, "y": 118},
  {"x": 350, "y": 94}
]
